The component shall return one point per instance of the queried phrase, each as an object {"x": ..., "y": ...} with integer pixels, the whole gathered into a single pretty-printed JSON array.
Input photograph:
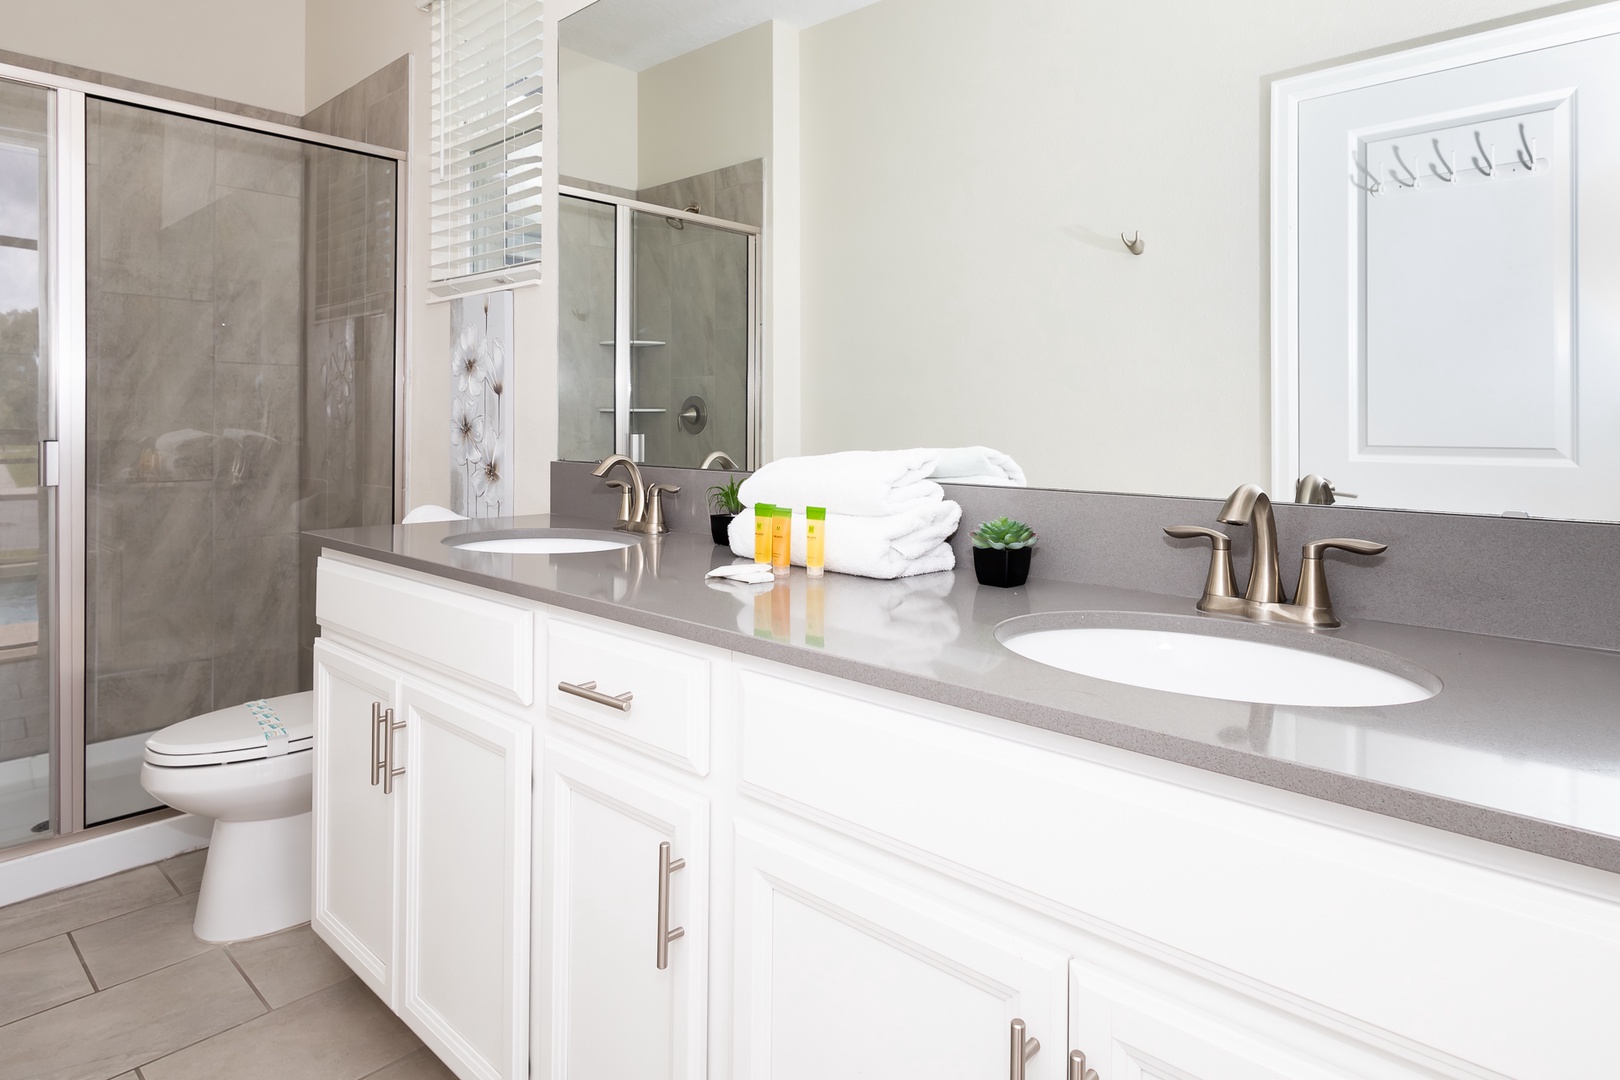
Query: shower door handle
[
  {"x": 389, "y": 726},
  {"x": 50, "y": 463}
]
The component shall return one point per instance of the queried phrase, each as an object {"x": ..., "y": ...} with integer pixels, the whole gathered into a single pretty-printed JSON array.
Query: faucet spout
[
  {"x": 638, "y": 492},
  {"x": 1249, "y": 505}
]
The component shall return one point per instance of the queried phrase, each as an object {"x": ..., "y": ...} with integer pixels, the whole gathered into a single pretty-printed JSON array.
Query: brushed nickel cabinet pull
[
  {"x": 376, "y": 744},
  {"x": 589, "y": 692},
  {"x": 1077, "y": 1067},
  {"x": 389, "y": 772},
  {"x": 666, "y": 933},
  {"x": 1022, "y": 1050}
]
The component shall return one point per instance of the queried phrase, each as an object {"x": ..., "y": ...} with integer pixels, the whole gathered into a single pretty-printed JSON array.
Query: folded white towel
[
  {"x": 893, "y": 546},
  {"x": 976, "y": 465},
  {"x": 864, "y": 483}
]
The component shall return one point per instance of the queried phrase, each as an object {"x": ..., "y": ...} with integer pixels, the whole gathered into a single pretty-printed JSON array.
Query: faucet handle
[
  {"x": 625, "y": 499},
  {"x": 1314, "y": 549},
  {"x": 1218, "y": 540},
  {"x": 1312, "y": 598},
  {"x": 655, "y": 506},
  {"x": 1218, "y": 585}
]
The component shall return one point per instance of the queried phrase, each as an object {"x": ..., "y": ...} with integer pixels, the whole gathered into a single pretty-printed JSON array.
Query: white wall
[
  {"x": 706, "y": 109},
  {"x": 596, "y": 133},
  {"x": 967, "y": 170},
  {"x": 246, "y": 52}
]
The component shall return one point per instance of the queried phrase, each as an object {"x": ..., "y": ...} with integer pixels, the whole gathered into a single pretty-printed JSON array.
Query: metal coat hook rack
[{"x": 1486, "y": 165}]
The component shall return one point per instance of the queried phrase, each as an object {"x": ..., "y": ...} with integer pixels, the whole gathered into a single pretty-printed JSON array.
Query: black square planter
[
  {"x": 720, "y": 528},
  {"x": 1005, "y": 569}
]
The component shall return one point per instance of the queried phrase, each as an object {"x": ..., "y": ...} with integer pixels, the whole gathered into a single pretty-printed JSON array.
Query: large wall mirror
[{"x": 1413, "y": 302}]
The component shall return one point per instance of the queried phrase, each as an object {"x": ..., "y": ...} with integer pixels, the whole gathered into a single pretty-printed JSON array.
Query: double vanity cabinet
[{"x": 565, "y": 847}]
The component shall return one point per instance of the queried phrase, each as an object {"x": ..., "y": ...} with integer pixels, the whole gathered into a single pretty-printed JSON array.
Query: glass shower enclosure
[
  {"x": 198, "y": 328},
  {"x": 658, "y": 351}
]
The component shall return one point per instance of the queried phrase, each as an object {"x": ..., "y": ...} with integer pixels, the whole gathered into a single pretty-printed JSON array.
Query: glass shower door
[
  {"x": 27, "y": 795},
  {"x": 586, "y": 259},
  {"x": 689, "y": 360}
]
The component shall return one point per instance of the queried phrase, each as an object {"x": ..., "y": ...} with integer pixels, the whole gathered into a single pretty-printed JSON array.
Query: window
[{"x": 487, "y": 60}]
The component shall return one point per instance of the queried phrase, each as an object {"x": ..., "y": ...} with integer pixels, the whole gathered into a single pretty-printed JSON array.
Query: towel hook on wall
[{"x": 1134, "y": 245}]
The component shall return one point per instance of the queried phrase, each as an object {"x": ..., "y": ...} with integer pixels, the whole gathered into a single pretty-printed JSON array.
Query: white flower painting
[{"x": 481, "y": 405}]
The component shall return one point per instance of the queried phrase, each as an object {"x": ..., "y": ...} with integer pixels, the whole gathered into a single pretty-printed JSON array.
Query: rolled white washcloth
[
  {"x": 893, "y": 546},
  {"x": 976, "y": 465},
  {"x": 863, "y": 483}
]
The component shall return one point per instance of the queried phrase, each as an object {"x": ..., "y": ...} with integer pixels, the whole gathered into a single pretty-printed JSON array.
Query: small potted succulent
[
  {"x": 1001, "y": 552},
  {"x": 723, "y": 497}
]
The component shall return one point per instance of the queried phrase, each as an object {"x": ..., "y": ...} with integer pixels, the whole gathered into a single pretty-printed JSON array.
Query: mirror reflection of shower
[{"x": 679, "y": 285}]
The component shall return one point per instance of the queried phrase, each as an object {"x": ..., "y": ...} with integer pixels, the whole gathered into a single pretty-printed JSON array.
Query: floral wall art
[{"x": 481, "y": 405}]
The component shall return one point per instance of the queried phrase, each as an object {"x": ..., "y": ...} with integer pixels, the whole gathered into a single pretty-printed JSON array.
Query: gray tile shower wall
[
  {"x": 735, "y": 193},
  {"x": 374, "y": 110},
  {"x": 1553, "y": 581}
]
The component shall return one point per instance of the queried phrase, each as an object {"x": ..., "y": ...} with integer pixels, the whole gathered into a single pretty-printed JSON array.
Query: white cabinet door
[
  {"x": 842, "y": 973},
  {"x": 610, "y": 1011},
  {"x": 356, "y": 825},
  {"x": 468, "y": 804}
]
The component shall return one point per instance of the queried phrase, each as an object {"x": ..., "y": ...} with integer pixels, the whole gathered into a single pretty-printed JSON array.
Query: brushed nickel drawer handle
[
  {"x": 666, "y": 933},
  {"x": 1077, "y": 1067},
  {"x": 388, "y": 771},
  {"x": 1022, "y": 1050},
  {"x": 589, "y": 692}
]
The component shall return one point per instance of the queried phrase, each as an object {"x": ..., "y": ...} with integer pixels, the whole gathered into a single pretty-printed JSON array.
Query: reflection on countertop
[{"x": 1521, "y": 746}]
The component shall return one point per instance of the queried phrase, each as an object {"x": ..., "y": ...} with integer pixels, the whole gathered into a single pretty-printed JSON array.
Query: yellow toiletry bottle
[
  {"x": 763, "y": 513},
  {"x": 815, "y": 540},
  {"x": 781, "y": 538}
]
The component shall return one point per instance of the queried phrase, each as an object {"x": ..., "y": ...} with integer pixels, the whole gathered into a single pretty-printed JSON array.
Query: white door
[
  {"x": 356, "y": 824},
  {"x": 1458, "y": 258},
  {"x": 610, "y": 1011},
  {"x": 1126, "y": 1030},
  {"x": 467, "y": 783},
  {"x": 842, "y": 973}
]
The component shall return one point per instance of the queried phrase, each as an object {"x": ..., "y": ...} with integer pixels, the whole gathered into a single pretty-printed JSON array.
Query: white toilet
[{"x": 249, "y": 768}]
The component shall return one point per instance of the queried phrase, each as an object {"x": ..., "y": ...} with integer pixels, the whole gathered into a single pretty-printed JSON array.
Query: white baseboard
[{"x": 98, "y": 856}]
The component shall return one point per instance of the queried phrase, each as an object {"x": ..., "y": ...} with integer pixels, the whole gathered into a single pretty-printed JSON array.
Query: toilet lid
[{"x": 270, "y": 727}]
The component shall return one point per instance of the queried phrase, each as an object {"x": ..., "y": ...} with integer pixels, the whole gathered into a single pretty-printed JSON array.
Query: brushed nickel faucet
[
  {"x": 1264, "y": 601},
  {"x": 641, "y": 506}
]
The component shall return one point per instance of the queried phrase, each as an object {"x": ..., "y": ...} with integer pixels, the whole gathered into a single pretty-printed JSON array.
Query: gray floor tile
[
  {"x": 341, "y": 1033},
  {"x": 129, "y": 946},
  {"x": 185, "y": 870},
  {"x": 38, "y": 976},
  {"x": 109, "y": 1033},
  {"x": 421, "y": 1065},
  {"x": 58, "y": 912},
  {"x": 289, "y": 965}
]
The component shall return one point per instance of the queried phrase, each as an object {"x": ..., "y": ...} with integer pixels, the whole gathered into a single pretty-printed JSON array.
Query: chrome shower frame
[{"x": 67, "y": 263}]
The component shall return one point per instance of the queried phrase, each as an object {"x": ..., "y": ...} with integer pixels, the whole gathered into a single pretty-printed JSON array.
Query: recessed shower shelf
[
  {"x": 636, "y": 344},
  {"x": 636, "y": 410}
]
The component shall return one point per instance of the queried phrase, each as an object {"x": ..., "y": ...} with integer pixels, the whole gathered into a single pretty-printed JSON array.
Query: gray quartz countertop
[{"x": 1521, "y": 746}]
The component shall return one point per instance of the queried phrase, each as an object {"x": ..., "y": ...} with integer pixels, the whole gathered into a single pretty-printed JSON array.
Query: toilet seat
[{"x": 274, "y": 727}]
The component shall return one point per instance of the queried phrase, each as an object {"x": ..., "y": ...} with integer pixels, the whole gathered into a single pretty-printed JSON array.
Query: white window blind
[{"x": 487, "y": 61}]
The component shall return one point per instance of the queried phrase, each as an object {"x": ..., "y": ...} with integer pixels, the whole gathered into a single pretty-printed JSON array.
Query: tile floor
[{"x": 104, "y": 981}]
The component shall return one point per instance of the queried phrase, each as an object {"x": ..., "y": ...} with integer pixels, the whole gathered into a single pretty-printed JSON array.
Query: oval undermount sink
[
  {"x": 539, "y": 541},
  {"x": 1176, "y": 655}
]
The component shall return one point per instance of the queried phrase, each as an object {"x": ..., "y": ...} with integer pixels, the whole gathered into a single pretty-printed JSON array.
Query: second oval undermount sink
[
  {"x": 540, "y": 541},
  {"x": 1230, "y": 661}
]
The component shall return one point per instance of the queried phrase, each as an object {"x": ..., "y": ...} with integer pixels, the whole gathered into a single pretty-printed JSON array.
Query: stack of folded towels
[{"x": 887, "y": 516}]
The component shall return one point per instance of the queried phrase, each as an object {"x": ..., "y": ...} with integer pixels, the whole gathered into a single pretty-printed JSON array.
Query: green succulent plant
[
  {"x": 724, "y": 497},
  {"x": 1004, "y": 534}
]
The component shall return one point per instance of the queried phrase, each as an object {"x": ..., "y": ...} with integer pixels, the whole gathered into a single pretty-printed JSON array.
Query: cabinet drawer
[
  {"x": 476, "y": 638},
  {"x": 669, "y": 686}
]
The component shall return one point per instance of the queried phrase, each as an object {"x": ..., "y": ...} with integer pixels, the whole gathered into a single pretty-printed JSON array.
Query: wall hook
[{"x": 1134, "y": 245}]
